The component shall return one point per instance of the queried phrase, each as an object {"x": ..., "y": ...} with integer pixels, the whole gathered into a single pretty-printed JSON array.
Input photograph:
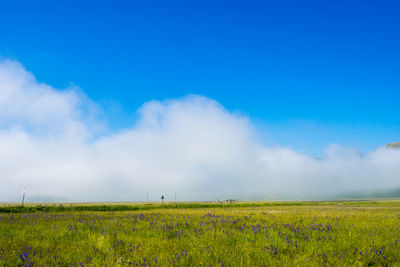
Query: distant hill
[
  {"x": 393, "y": 145},
  {"x": 394, "y": 193}
]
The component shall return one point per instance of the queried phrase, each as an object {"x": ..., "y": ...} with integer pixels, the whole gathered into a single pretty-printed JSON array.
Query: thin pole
[
  {"x": 147, "y": 197},
  {"x": 23, "y": 196},
  {"x": 175, "y": 198}
]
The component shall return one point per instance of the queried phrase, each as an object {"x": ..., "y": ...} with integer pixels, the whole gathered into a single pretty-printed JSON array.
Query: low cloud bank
[{"x": 51, "y": 142}]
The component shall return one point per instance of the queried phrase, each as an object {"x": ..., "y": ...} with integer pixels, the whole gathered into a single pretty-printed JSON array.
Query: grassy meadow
[{"x": 202, "y": 234}]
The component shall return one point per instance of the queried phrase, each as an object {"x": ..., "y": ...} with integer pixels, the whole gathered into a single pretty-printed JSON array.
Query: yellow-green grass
[{"x": 329, "y": 234}]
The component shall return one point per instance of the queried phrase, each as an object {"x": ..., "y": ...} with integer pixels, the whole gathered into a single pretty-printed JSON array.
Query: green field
[{"x": 192, "y": 234}]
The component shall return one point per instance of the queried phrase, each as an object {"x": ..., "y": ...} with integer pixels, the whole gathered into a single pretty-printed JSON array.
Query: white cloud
[
  {"x": 38, "y": 108},
  {"x": 190, "y": 145}
]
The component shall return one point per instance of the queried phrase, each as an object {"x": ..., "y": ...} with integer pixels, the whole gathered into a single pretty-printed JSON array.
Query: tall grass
[
  {"x": 15, "y": 208},
  {"x": 265, "y": 235}
]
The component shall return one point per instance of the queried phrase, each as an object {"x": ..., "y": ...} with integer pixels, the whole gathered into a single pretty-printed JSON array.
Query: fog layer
[{"x": 54, "y": 143}]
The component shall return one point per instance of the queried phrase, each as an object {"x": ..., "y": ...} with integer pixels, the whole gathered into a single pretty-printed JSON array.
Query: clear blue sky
[{"x": 310, "y": 73}]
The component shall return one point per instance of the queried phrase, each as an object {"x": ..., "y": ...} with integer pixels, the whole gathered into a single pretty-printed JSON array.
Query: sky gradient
[
  {"x": 303, "y": 77},
  {"x": 329, "y": 64}
]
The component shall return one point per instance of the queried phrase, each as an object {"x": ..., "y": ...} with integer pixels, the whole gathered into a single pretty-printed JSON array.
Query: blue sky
[{"x": 307, "y": 73}]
